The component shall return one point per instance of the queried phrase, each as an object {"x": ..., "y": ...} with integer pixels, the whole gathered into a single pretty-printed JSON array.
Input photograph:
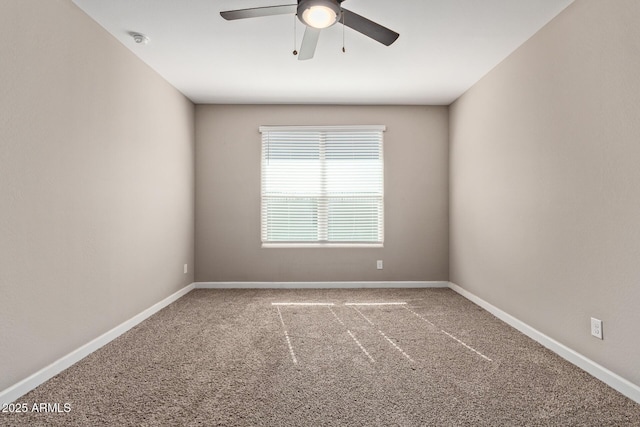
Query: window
[{"x": 322, "y": 186}]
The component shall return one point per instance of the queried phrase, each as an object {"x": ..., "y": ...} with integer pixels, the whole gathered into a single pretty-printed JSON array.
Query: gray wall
[
  {"x": 228, "y": 196},
  {"x": 96, "y": 185},
  {"x": 545, "y": 183}
]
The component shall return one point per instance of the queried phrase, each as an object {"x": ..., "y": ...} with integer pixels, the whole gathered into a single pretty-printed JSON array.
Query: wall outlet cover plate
[{"x": 596, "y": 327}]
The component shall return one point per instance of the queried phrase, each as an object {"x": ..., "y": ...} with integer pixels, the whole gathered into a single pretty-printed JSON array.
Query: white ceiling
[{"x": 445, "y": 46}]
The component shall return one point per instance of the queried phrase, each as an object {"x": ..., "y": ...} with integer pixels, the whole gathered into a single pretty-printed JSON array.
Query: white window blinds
[{"x": 322, "y": 185}]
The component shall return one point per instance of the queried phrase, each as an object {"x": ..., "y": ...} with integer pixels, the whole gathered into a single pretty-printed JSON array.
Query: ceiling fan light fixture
[{"x": 319, "y": 13}]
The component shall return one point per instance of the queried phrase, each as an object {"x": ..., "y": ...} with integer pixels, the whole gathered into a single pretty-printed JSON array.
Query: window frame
[{"x": 321, "y": 243}]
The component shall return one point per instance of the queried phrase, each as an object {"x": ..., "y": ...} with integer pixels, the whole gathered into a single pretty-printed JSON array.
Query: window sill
[{"x": 322, "y": 245}]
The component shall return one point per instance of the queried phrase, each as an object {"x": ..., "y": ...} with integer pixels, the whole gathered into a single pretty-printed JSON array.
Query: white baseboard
[
  {"x": 318, "y": 285},
  {"x": 615, "y": 381},
  {"x": 21, "y": 388}
]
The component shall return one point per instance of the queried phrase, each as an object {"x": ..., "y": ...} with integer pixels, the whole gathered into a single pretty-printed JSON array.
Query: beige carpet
[{"x": 232, "y": 358}]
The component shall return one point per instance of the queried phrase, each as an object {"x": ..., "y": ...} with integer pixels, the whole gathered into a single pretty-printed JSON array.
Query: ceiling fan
[{"x": 316, "y": 15}]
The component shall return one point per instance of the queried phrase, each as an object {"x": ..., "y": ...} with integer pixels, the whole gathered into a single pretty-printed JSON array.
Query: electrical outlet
[
  {"x": 596, "y": 327},
  {"x": 379, "y": 264},
  {"x": 185, "y": 269}
]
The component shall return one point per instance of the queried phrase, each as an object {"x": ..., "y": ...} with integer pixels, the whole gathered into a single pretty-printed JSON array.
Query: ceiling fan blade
[
  {"x": 257, "y": 12},
  {"x": 309, "y": 43},
  {"x": 368, "y": 27}
]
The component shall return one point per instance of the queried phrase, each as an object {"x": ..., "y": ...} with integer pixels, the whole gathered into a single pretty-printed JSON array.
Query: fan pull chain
[
  {"x": 295, "y": 41},
  {"x": 343, "y": 49}
]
